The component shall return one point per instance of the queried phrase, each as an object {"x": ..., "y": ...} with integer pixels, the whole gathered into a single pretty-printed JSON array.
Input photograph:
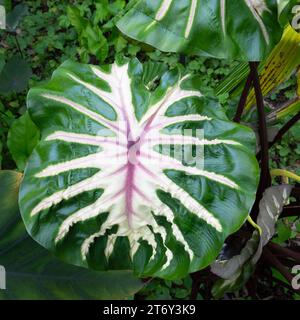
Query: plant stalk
[
  {"x": 265, "y": 177},
  {"x": 290, "y": 211},
  {"x": 243, "y": 100},
  {"x": 286, "y": 252},
  {"x": 18, "y": 46},
  {"x": 273, "y": 261}
]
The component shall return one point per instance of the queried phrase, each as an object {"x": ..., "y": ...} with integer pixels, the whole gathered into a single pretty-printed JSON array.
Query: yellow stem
[
  {"x": 256, "y": 226},
  {"x": 285, "y": 173}
]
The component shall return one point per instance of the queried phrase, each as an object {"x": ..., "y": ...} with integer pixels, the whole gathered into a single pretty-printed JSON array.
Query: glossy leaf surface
[
  {"x": 33, "y": 273},
  {"x": 131, "y": 176},
  {"x": 226, "y": 29}
]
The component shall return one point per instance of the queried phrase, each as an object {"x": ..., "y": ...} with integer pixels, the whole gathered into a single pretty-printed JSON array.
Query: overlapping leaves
[{"x": 237, "y": 270}]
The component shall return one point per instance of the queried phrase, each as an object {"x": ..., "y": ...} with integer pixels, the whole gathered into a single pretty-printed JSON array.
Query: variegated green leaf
[
  {"x": 32, "y": 273},
  {"x": 131, "y": 177},
  {"x": 229, "y": 29}
]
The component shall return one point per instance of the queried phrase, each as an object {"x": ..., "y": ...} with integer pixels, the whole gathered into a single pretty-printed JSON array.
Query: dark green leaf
[
  {"x": 14, "y": 76},
  {"x": 22, "y": 138},
  {"x": 14, "y": 17}
]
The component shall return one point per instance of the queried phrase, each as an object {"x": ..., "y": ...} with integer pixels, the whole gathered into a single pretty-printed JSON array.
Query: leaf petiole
[
  {"x": 256, "y": 226},
  {"x": 285, "y": 173}
]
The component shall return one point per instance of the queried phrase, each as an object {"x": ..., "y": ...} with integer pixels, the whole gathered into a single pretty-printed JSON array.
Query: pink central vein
[
  {"x": 130, "y": 167},
  {"x": 129, "y": 191},
  {"x": 133, "y": 153},
  {"x": 129, "y": 188},
  {"x": 132, "y": 147}
]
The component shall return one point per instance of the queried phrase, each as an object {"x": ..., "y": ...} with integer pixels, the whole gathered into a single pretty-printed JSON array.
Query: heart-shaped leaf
[
  {"x": 225, "y": 29},
  {"x": 129, "y": 175}
]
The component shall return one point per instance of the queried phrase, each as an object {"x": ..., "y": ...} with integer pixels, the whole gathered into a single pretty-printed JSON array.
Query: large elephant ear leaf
[
  {"x": 33, "y": 273},
  {"x": 226, "y": 29},
  {"x": 132, "y": 176}
]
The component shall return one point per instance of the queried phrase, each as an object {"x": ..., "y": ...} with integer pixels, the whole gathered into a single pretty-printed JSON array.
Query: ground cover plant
[{"x": 158, "y": 154}]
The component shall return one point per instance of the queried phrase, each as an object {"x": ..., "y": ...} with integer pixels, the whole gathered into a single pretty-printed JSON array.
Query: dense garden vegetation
[{"x": 43, "y": 34}]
